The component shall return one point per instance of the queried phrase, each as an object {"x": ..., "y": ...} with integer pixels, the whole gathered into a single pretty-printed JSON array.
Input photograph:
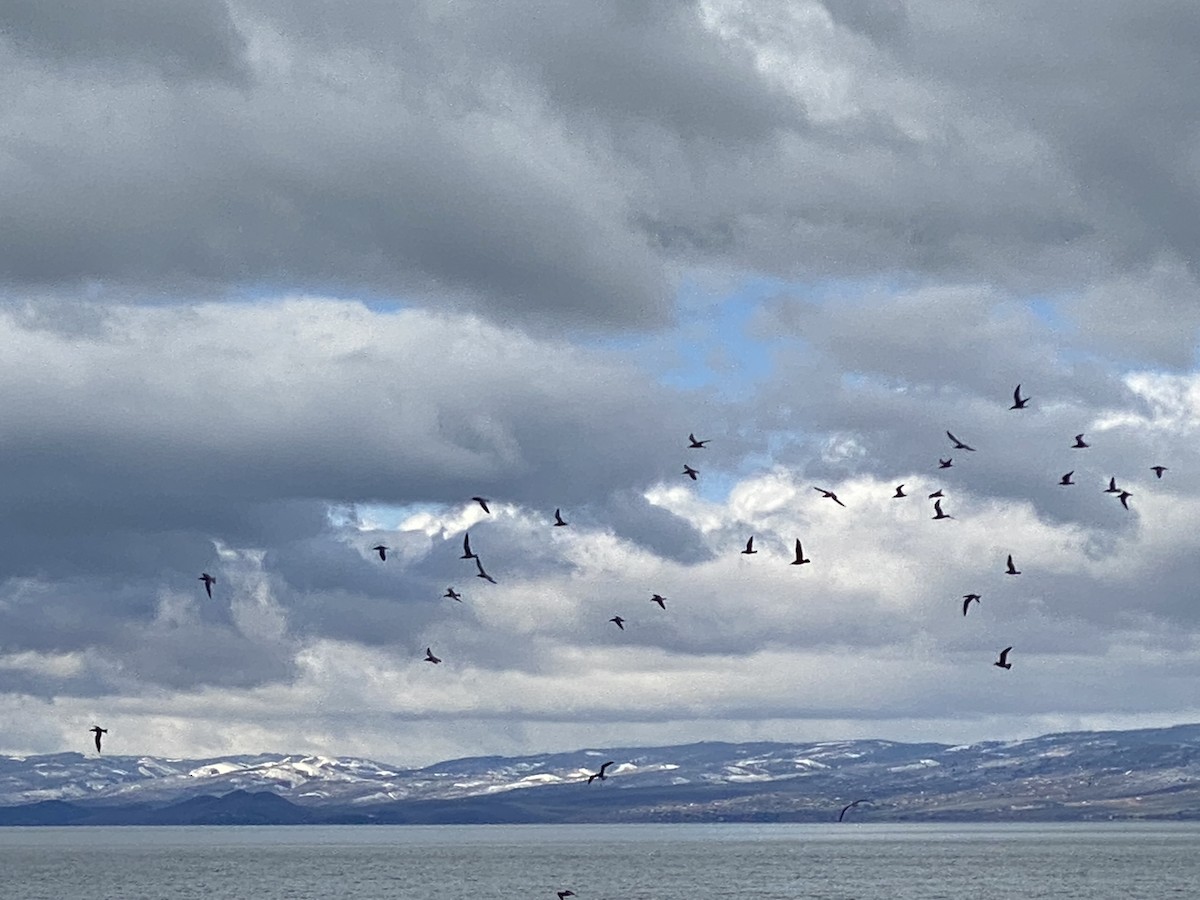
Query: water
[{"x": 602, "y": 862}]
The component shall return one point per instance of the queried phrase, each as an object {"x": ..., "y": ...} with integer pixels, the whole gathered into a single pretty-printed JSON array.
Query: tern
[
  {"x": 850, "y": 806},
  {"x": 209, "y": 581},
  {"x": 1080, "y": 443},
  {"x": 382, "y": 550},
  {"x": 429, "y": 657},
  {"x": 467, "y": 554},
  {"x": 618, "y": 621},
  {"x": 1019, "y": 402},
  {"x": 800, "y": 559},
  {"x": 936, "y": 494},
  {"x": 600, "y": 774},
  {"x": 694, "y": 444},
  {"x": 959, "y": 445},
  {"x": 1124, "y": 498},
  {"x": 1112, "y": 486},
  {"x": 558, "y": 519},
  {"x": 945, "y": 463},
  {"x": 659, "y": 599},
  {"x": 749, "y": 547},
  {"x": 453, "y": 594},
  {"x": 563, "y": 895},
  {"x": 1011, "y": 570},
  {"x": 482, "y": 501},
  {"x": 1158, "y": 470},
  {"x": 937, "y": 511},
  {"x": 967, "y": 598},
  {"x": 690, "y": 472},
  {"x": 829, "y": 495},
  {"x": 97, "y": 731},
  {"x": 482, "y": 574},
  {"x": 899, "y": 492},
  {"x": 1066, "y": 479},
  {"x": 1003, "y": 662}
]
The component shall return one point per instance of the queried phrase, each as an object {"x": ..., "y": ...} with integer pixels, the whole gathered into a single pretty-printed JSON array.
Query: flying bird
[
  {"x": 694, "y": 444},
  {"x": 482, "y": 501},
  {"x": 936, "y": 494},
  {"x": 850, "y": 806},
  {"x": 1012, "y": 570},
  {"x": 1066, "y": 479},
  {"x": 619, "y": 622},
  {"x": 799, "y": 560},
  {"x": 937, "y": 511},
  {"x": 482, "y": 574},
  {"x": 1112, "y": 486},
  {"x": 453, "y": 594},
  {"x": 467, "y": 554},
  {"x": 558, "y": 519},
  {"x": 659, "y": 599},
  {"x": 1158, "y": 470},
  {"x": 209, "y": 581},
  {"x": 945, "y": 463},
  {"x": 429, "y": 657},
  {"x": 749, "y": 546},
  {"x": 967, "y": 598},
  {"x": 97, "y": 731},
  {"x": 1080, "y": 443},
  {"x": 829, "y": 495},
  {"x": 899, "y": 492},
  {"x": 959, "y": 445},
  {"x": 600, "y": 774},
  {"x": 1003, "y": 662},
  {"x": 382, "y": 550},
  {"x": 1019, "y": 402},
  {"x": 1124, "y": 498},
  {"x": 690, "y": 472},
  {"x": 563, "y": 895}
]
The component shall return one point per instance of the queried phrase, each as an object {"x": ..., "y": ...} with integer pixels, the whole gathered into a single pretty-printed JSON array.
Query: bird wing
[
  {"x": 750, "y": 544},
  {"x": 1004, "y": 654},
  {"x": 605, "y": 766},
  {"x": 1017, "y": 395}
]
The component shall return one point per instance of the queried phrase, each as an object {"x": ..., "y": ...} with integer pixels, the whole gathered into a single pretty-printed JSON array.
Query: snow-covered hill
[{"x": 1076, "y": 775}]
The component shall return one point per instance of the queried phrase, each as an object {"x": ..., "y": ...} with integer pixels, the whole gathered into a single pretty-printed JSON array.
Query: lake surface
[{"x": 603, "y": 862}]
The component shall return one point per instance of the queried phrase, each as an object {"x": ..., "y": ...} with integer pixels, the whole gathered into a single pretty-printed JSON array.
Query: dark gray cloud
[{"x": 173, "y": 40}]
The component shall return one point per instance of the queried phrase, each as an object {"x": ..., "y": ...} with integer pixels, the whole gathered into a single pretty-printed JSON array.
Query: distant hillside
[{"x": 1150, "y": 773}]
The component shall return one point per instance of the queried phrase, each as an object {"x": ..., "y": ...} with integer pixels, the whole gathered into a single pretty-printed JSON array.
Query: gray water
[{"x": 602, "y": 862}]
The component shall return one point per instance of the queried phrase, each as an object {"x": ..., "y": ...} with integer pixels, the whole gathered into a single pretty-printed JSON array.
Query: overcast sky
[{"x": 281, "y": 281}]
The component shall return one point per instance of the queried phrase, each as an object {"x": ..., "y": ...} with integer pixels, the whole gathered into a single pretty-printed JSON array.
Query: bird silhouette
[
  {"x": 1012, "y": 570},
  {"x": 97, "y": 731},
  {"x": 829, "y": 495},
  {"x": 799, "y": 560},
  {"x": 452, "y": 594},
  {"x": 429, "y": 657},
  {"x": 382, "y": 550},
  {"x": 660, "y": 600},
  {"x": 558, "y": 519},
  {"x": 945, "y": 463},
  {"x": 936, "y": 494},
  {"x": 1124, "y": 498},
  {"x": 1158, "y": 470},
  {"x": 1019, "y": 402},
  {"x": 959, "y": 445},
  {"x": 563, "y": 895},
  {"x": 850, "y": 806},
  {"x": 483, "y": 501},
  {"x": 967, "y": 598},
  {"x": 694, "y": 444},
  {"x": 749, "y": 547},
  {"x": 1080, "y": 443},
  {"x": 899, "y": 492},
  {"x": 1112, "y": 486},
  {"x": 1066, "y": 479},
  {"x": 467, "y": 554},
  {"x": 690, "y": 472},
  {"x": 482, "y": 574},
  {"x": 600, "y": 774},
  {"x": 209, "y": 581},
  {"x": 937, "y": 511},
  {"x": 1003, "y": 662},
  {"x": 619, "y": 622}
]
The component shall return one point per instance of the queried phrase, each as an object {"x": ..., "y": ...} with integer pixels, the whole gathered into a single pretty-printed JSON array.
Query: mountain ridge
[{"x": 1143, "y": 773}]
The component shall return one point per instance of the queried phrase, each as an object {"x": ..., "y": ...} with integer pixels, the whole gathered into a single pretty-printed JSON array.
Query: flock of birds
[{"x": 1019, "y": 403}]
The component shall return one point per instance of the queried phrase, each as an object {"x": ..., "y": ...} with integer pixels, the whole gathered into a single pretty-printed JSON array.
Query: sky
[{"x": 282, "y": 281}]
